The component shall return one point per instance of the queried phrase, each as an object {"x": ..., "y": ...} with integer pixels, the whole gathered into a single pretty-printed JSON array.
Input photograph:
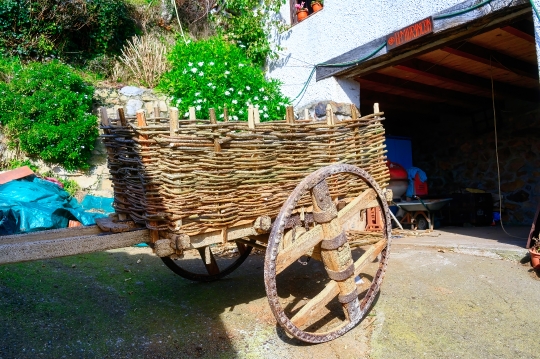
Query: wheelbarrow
[{"x": 420, "y": 213}]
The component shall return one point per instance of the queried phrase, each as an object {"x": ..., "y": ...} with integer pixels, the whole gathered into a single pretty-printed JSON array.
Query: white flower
[
  {"x": 226, "y": 73},
  {"x": 213, "y": 87},
  {"x": 240, "y": 65},
  {"x": 235, "y": 118},
  {"x": 211, "y": 63},
  {"x": 210, "y": 84},
  {"x": 221, "y": 116},
  {"x": 265, "y": 115},
  {"x": 261, "y": 89},
  {"x": 201, "y": 73},
  {"x": 281, "y": 104},
  {"x": 240, "y": 93},
  {"x": 178, "y": 101},
  {"x": 190, "y": 64},
  {"x": 278, "y": 107},
  {"x": 197, "y": 93},
  {"x": 234, "y": 101},
  {"x": 231, "y": 89},
  {"x": 265, "y": 108},
  {"x": 194, "y": 69},
  {"x": 242, "y": 47},
  {"x": 256, "y": 98},
  {"x": 184, "y": 72},
  {"x": 204, "y": 100},
  {"x": 248, "y": 88},
  {"x": 227, "y": 93},
  {"x": 199, "y": 101},
  {"x": 200, "y": 63},
  {"x": 265, "y": 98},
  {"x": 198, "y": 107},
  {"x": 82, "y": 146},
  {"x": 186, "y": 114},
  {"x": 257, "y": 105},
  {"x": 241, "y": 112}
]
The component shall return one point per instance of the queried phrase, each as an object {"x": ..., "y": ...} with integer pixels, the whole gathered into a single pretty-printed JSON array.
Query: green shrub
[
  {"x": 45, "y": 111},
  {"x": 72, "y": 29},
  {"x": 15, "y": 163},
  {"x": 249, "y": 24},
  {"x": 214, "y": 73}
]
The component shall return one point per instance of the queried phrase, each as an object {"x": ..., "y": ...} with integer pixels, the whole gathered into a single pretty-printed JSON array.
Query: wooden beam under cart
[{"x": 65, "y": 242}]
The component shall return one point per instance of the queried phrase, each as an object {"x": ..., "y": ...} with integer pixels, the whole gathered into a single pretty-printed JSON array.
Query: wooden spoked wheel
[
  {"x": 327, "y": 237},
  {"x": 207, "y": 267}
]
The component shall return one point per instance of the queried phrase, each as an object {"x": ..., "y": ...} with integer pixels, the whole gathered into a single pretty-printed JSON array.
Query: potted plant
[
  {"x": 535, "y": 253},
  {"x": 301, "y": 11},
  {"x": 317, "y": 5}
]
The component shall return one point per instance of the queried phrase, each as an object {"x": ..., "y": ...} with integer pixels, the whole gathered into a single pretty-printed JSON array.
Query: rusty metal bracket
[
  {"x": 334, "y": 243},
  {"x": 324, "y": 217},
  {"x": 347, "y": 298},
  {"x": 341, "y": 275}
]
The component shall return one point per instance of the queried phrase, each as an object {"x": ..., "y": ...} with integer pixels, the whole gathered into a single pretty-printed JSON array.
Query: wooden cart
[{"x": 296, "y": 189}]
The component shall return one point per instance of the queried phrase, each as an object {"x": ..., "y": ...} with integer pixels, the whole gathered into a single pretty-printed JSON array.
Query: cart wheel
[
  {"x": 211, "y": 268},
  {"x": 317, "y": 320},
  {"x": 421, "y": 224}
]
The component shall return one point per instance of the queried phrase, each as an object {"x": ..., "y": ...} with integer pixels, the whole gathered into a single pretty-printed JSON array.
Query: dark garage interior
[{"x": 445, "y": 104}]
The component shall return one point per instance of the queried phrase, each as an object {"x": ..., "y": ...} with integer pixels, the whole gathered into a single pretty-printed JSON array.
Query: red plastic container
[
  {"x": 397, "y": 172},
  {"x": 420, "y": 188}
]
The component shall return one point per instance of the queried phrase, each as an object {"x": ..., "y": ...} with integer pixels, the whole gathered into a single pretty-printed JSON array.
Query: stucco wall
[{"x": 341, "y": 26}]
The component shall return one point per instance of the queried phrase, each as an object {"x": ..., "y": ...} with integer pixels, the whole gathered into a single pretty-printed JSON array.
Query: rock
[
  {"x": 123, "y": 98},
  {"x": 131, "y": 91},
  {"x": 148, "y": 96},
  {"x": 132, "y": 106},
  {"x": 86, "y": 182},
  {"x": 163, "y": 106}
]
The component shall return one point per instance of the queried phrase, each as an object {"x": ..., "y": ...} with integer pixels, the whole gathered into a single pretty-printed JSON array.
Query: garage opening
[{"x": 442, "y": 107}]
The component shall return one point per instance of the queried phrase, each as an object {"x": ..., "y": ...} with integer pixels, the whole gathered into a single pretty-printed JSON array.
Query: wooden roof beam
[
  {"x": 456, "y": 97},
  {"x": 523, "y": 29},
  {"x": 407, "y": 104},
  {"x": 439, "y": 72},
  {"x": 496, "y": 59}
]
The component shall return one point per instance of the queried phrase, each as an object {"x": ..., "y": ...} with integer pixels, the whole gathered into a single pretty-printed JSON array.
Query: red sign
[{"x": 410, "y": 33}]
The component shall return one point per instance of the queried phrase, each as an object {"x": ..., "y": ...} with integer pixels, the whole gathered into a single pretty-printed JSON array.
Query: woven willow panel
[{"x": 211, "y": 176}]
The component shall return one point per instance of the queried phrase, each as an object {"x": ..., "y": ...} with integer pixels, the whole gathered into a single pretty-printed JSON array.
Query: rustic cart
[{"x": 298, "y": 189}]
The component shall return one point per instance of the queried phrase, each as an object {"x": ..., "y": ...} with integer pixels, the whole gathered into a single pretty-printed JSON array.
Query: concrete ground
[{"x": 448, "y": 294}]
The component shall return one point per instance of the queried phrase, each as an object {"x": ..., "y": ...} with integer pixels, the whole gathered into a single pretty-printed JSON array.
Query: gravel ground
[{"x": 126, "y": 304}]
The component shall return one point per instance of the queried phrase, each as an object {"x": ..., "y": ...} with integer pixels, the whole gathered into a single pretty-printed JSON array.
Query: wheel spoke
[
  {"x": 303, "y": 244},
  {"x": 209, "y": 261},
  {"x": 315, "y": 308}
]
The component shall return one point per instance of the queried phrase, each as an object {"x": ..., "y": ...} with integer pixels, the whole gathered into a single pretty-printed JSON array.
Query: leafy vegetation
[
  {"x": 45, "y": 111},
  {"x": 73, "y": 30},
  {"x": 214, "y": 73}
]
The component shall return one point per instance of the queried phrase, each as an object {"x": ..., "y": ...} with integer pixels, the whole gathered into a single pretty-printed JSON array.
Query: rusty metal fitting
[{"x": 334, "y": 243}]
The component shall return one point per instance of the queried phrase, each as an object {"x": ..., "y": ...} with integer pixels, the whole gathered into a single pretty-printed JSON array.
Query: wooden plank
[
  {"x": 492, "y": 58},
  {"x": 456, "y": 97},
  {"x": 441, "y": 73},
  {"x": 122, "y": 117},
  {"x": 50, "y": 246},
  {"x": 366, "y": 199},
  {"x": 520, "y": 32},
  {"x": 317, "y": 304},
  {"x": 251, "y": 120},
  {"x": 50, "y": 234},
  {"x": 192, "y": 115}
]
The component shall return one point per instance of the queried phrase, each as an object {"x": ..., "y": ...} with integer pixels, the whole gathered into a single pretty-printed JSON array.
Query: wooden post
[
  {"x": 141, "y": 122},
  {"x": 306, "y": 114},
  {"x": 156, "y": 110},
  {"x": 330, "y": 120},
  {"x": 173, "y": 124},
  {"x": 104, "y": 116},
  {"x": 289, "y": 114},
  {"x": 122, "y": 117},
  {"x": 192, "y": 115},
  {"x": 225, "y": 114},
  {"x": 149, "y": 107},
  {"x": 256, "y": 115},
  {"x": 251, "y": 120},
  {"x": 376, "y": 107},
  {"x": 354, "y": 112},
  {"x": 212, "y": 115}
]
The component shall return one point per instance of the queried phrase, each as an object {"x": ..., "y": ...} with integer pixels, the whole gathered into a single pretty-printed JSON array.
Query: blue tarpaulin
[{"x": 32, "y": 204}]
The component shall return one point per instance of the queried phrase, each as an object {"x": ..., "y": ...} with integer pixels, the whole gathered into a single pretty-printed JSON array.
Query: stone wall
[{"x": 456, "y": 155}]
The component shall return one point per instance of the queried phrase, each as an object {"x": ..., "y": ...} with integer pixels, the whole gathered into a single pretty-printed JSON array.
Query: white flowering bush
[{"x": 214, "y": 73}]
